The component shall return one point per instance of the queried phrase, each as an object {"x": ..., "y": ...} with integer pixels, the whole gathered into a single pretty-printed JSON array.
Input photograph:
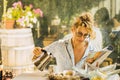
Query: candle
[
  {"x": 4, "y": 12},
  {"x": 4, "y": 6},
  {"x": 38, "y": 29}
]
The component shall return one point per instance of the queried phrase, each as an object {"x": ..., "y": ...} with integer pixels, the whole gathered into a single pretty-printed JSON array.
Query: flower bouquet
[{"x": 24, "y": 16}]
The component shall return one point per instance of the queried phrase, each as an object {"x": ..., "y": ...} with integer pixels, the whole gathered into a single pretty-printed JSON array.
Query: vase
[{"x": 9, "y": 24}]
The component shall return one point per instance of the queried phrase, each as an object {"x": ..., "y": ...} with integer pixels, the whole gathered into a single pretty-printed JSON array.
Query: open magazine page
[{"x": 97, "y": 57}]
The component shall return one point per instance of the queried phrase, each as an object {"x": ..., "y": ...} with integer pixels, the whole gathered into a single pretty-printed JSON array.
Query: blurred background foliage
[{"x": 65, "y": 9}]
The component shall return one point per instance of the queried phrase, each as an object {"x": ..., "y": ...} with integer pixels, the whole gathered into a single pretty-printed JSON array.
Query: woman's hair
[{"x": 84, "y": 20}]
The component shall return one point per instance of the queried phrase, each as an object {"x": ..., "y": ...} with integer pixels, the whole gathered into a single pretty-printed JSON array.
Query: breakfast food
[
  {"x": 69, "y": 72},
  {"x": 65, "y": 75}
]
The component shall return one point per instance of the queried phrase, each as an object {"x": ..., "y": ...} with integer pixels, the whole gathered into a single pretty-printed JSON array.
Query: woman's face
[{"x": 80, "y": 34}]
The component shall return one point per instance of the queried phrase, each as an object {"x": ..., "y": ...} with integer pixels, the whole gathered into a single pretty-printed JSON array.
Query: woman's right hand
[{"x": 37, "y": 51}]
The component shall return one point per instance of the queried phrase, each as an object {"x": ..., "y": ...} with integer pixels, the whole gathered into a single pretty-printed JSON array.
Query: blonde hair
[{"x": 84, "y": 20}]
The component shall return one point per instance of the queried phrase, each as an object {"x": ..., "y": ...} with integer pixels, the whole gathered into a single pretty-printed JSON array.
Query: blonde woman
[{"x": 73, "y": 51}]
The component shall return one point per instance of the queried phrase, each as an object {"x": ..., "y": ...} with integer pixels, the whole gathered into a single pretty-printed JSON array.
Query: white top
[
  {"x": 63, "y": 52},
  {"x": 97, "y": 42}
]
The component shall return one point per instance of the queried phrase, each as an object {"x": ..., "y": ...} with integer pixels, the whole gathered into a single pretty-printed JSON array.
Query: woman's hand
[{"x": 37, "y": 52}]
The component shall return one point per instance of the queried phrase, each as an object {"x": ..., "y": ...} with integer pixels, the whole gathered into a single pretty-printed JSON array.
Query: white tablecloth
[
  {"x": 43, "y": 76},
  {"x": 32, "y": 76}
]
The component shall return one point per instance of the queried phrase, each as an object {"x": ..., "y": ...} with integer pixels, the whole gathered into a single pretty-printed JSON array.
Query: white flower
[
  {"x": 24, "y": 16},
  {"x": 34, "y": 20},
  {"x": 29, "y": 13},
  {"x": 9, "y": 13},
  {"x": 30, "y": 25}
]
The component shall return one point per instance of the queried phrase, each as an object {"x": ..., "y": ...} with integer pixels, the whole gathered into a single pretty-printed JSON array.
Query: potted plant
[{"x": 23, "y": 16}]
